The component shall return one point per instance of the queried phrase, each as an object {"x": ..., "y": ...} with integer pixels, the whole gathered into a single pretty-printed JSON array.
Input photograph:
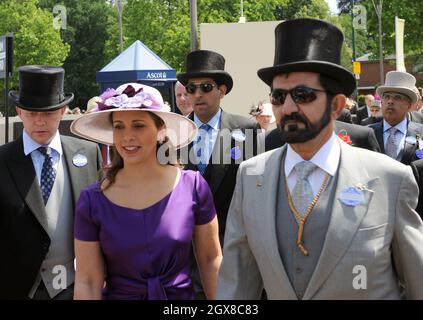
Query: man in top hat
[
  {"x": 221, "y": 143},
  {"x": 322, "y": 220},
  {"x": 398, "y": 137},
  {"x": 42, "y": 175},
  {"x": 207, "y": 83}
]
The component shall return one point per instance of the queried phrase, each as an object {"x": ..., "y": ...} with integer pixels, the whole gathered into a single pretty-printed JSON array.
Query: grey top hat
[{"x": 401, "y": 82}]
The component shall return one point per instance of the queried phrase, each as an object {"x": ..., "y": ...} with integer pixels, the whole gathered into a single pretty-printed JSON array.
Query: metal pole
[
  {"x": 120, "y": 9},
  {"x": 6, "y": 108},
  {"x": 378, "y": 9},
  {"x": 353, "y": 31},
  {"x": 193, "y": 14},
  {"x": 353, "y": 46},
  {"x": 382, "y": 76}
]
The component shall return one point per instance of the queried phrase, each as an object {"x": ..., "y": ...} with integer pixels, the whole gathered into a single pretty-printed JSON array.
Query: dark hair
[{"x": 110, "y": 172}]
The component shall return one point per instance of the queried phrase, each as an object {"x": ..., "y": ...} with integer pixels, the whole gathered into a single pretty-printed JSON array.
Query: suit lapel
[
  {"x": 22, "y": 171},
  {"x": 345, "y": 220},
  {"x": 407, "y": 154},
  {"x": 78, "y": 176},
  {"x": 266, "y": 188},
  {"x": 379, "y": 136}
]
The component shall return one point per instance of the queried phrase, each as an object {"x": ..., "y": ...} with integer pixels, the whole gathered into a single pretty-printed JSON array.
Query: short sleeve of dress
[
  {"x": 205, "y": 210},
  {"x": 85, "y": 228}
]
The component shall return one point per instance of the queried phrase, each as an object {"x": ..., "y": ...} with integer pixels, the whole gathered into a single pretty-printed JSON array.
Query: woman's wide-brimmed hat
[
  {"x": 40, "y": 89},
  {"x": 206, "y": 63},
  {"x": 97, "y": 125},
  {"x": 309, "y": 45}
]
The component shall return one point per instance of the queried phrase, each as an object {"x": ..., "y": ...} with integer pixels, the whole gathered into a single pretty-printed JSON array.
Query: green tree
[
  {"x": 86, "y": 32},
  {"x": 410, "y": 10},
  {"x": 36, "y": 41},
  {"x": 294, "y": 9}
]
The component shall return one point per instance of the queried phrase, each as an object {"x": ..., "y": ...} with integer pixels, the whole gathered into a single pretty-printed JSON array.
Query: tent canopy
[{"x": 136, "y": 64}]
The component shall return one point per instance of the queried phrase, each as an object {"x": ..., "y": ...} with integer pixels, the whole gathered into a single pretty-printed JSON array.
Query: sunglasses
[
  {"x": 300, "y": 95},
  {"x": 394, "y": 96},
  {"x": 204, "y": 87}
]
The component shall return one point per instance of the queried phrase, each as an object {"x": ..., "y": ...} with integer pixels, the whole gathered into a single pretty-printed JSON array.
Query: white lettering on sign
[{"x": 156, "y": 75}]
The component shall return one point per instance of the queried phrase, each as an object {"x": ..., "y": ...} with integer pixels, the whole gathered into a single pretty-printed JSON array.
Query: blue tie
[
  {"x": 48, "y": 174},
  {"x": 203, "y": 147}
]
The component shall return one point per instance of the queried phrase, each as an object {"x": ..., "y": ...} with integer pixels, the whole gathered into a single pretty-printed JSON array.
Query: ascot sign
[{"x": 156, "y": 75}]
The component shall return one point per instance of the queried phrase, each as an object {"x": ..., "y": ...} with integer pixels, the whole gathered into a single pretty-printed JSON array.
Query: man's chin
[{"x": 299, "y": 136}]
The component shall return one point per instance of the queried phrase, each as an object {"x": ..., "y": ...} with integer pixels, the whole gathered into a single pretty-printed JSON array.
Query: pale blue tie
[
  {"x": 48, "y": 173},
  {"x": 302, "y": 194},
  {"x": 392, "y": 143},
  {"x": 203, "y": 147}
]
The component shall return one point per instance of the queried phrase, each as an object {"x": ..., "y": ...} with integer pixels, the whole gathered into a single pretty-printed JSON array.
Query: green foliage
[
  {"x": 35, "y": 39},
  {"x": 368, "y": 40},
  {"x": 86, "y": 32}
]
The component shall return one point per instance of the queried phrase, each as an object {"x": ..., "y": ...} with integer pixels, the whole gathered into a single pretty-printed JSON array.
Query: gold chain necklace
[{"x": 302, "y": 220}]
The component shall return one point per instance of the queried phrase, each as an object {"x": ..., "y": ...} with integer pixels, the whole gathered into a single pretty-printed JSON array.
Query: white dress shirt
[
  {"x": 214, "y": 123},
  {"x": 399, "y": 135},
  {"x": 30, "y": 147},
  {"x": 326, "y": 160}
]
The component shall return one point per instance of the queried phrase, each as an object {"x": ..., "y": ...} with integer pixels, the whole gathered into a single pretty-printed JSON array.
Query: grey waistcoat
[
  {"x": 300, "y": 268},
  {"x": 59, "y": 262}
]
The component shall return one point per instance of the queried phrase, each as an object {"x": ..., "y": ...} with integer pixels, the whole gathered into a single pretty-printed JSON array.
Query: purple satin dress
[{"x": 147, "y": 252}]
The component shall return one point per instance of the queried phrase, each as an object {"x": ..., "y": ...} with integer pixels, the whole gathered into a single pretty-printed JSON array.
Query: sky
[{"x": 332, "y": 5}]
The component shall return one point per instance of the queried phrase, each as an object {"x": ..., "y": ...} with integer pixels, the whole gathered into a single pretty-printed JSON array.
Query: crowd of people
[{"x": 188, "y": 207}]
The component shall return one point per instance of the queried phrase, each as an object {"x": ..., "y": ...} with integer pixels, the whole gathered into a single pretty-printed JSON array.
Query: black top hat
[
  {"x": 309, "y": 45},
  {"x": 40, "y": 88},
  {"x": 205, "y": 63}
]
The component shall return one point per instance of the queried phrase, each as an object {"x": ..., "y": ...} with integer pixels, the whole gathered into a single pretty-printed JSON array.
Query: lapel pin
[
  {"x": 236, "y": 153},
  {"x": 411, "y": 140},
  {"x": 79, "y": 160},
  {"x": 238, "y": 135},
  {"x": 352, "y": 196}
]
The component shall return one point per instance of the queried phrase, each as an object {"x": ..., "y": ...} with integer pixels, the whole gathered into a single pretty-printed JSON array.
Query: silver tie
[
  {"x": 392, "y": 144},
  {"x": 302, "y": 194}
]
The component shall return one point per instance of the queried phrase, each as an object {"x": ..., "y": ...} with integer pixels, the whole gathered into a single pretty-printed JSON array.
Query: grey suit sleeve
[
  {"x": 407, "y": 244},
  {"x": 239, "y": 276}
]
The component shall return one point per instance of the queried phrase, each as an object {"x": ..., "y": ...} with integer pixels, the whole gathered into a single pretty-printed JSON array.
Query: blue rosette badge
[{"x": 419, "y": 151}]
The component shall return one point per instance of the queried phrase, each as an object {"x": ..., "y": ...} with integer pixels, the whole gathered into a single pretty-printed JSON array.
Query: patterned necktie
[
  {"x": 392, "y": 144},
  {"x": 302, "y": 194},
  {"x": 48, "y": 173},
  {"x": 203, "y": 147}
]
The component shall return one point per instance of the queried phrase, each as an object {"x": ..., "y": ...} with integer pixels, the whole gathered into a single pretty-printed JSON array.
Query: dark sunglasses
[
  {"x": 300, "y": 95},
  {"x": 204, "y": 87}
]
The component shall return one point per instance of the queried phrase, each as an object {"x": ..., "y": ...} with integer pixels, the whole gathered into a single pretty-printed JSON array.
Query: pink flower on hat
[
  {"x": 128, "y": 99},
  {"x": 110, "y": 92}
]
